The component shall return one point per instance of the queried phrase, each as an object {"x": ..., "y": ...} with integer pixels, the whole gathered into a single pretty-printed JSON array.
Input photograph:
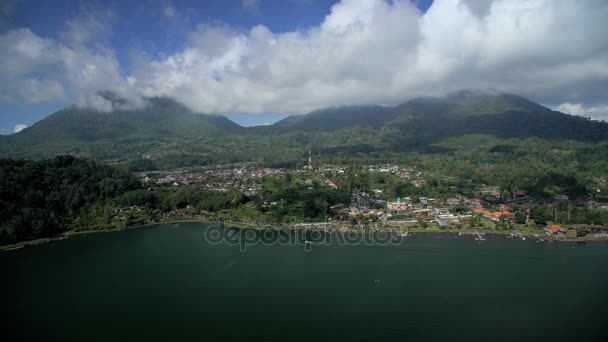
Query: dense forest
[{"x": 42, "y": 198}]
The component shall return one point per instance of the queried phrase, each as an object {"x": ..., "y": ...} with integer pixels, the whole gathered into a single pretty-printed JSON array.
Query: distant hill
[
  {"x": 464, "y": 112},
  {"x": 503, "y": 115},
  {"x": 168, "y": 131},
  {"x": 339, "y": 117},
  {"x": 161, "y": 118}
]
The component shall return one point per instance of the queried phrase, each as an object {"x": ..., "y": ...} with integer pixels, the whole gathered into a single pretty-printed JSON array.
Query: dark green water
[{"x": 166, "y": 283}]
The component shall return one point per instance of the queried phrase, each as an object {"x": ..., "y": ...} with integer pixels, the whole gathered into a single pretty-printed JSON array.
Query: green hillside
[
  {"x": 338, "y": 117},
  {"x": 167, "y": 134},
  {"x": 73, "y": 129}
]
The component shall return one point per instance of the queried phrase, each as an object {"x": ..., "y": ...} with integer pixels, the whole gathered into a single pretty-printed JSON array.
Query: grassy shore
[{"x": 284, "y": 226}]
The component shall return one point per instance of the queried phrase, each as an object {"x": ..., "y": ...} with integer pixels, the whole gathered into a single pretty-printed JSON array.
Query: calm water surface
[{"x": 165, "y": 283}]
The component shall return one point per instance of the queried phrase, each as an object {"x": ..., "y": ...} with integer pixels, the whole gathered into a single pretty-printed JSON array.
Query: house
[
  {"x": 344, "y": 211},
  {"x": 474, "y": 203},
  {"x": 519, "y": 195},
  {"x": 596, "y": 229},
  {"x": 504, "y": 215},
  {"x": 421, "y": 212},
  {"x": 353, "y": 211},
  {"x": 331, "y": 184},
  {"x": 440, "y": 211},
  {"x": 178, "y": 213},
  {"x": 398, "y": 206},
  {"x": 556, "y": 229},
  {"x": 496, "y": 215},
  {"x": 490, "y": 193},
  {"x": 453, "y": 201}
]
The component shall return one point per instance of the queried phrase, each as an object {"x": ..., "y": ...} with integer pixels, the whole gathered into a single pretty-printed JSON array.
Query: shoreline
[{"x": 275, "y": 226}]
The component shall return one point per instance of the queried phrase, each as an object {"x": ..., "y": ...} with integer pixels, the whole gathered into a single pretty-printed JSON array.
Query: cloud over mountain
[
  {"x": 364, "y": 51},
  {"x": 19, "y": 127}
]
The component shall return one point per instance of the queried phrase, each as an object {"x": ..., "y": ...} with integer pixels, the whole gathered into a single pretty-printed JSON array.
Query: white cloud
[
  {"x": 596, "y": 112},
  {"x": 384, "y": 52},
  {"x": 91, "y": 25},
  {"x": 19, "y": 127},
  {"x": 35, "y": 69},
  {"x": 105, "y": 104},
  {"x": 364, "y": 51},
  {"x": 96, "y": 102}
]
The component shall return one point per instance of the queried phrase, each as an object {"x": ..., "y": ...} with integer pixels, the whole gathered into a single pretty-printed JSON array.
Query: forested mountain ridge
[
  {"x": 166, "y": 130},
  {"x": 74, "y": 127},
  {"x": 338, "y": 117},
  {"x": 464, "y": 112}
]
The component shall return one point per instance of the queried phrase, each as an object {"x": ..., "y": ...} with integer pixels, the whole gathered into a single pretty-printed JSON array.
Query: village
[{"x": 490, "y": 207}]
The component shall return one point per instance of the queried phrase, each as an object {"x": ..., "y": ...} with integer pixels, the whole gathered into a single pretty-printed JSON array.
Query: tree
[{"x": 520, "y": 217}]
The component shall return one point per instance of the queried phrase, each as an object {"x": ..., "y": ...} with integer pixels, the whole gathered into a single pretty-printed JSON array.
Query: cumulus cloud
[
  {"x": 384, "y": 52},
  {"x": 34, "y": 69},
  {"x": 106, "y": 102},
  {"x": 19, "y": 127},
  {"x": 364, "y": 51},
  {"x": 596, "y": 112}
]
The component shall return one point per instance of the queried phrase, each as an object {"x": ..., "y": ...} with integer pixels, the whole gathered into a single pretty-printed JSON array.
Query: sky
[{"x": 257, "y": 61}]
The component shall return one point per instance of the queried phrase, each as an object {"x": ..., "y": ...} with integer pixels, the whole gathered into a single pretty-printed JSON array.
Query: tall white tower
[{"x": 309, "y": 158}]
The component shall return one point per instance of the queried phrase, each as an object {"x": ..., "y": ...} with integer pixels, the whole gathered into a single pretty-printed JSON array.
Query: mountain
[
  {"x": 463, "y": 112},
  {"x": 161, "y": 117},
  {"x": 502, "y": 115},
  {"x": 339, "y": 117},
  {"x": 73, "y": 127},
  {"x": 167, "y": 131}
]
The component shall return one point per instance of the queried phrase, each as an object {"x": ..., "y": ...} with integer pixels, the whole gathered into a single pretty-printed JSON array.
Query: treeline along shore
[{"x": 55, "y": 198}]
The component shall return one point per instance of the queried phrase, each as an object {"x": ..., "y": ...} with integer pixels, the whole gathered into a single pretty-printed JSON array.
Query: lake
[{"x": 172, "y": 283}]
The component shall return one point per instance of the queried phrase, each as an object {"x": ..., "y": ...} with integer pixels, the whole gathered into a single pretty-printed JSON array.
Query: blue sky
[
  {"x": 259, "y": 60},
  {"x": 147, "y": 25}
]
